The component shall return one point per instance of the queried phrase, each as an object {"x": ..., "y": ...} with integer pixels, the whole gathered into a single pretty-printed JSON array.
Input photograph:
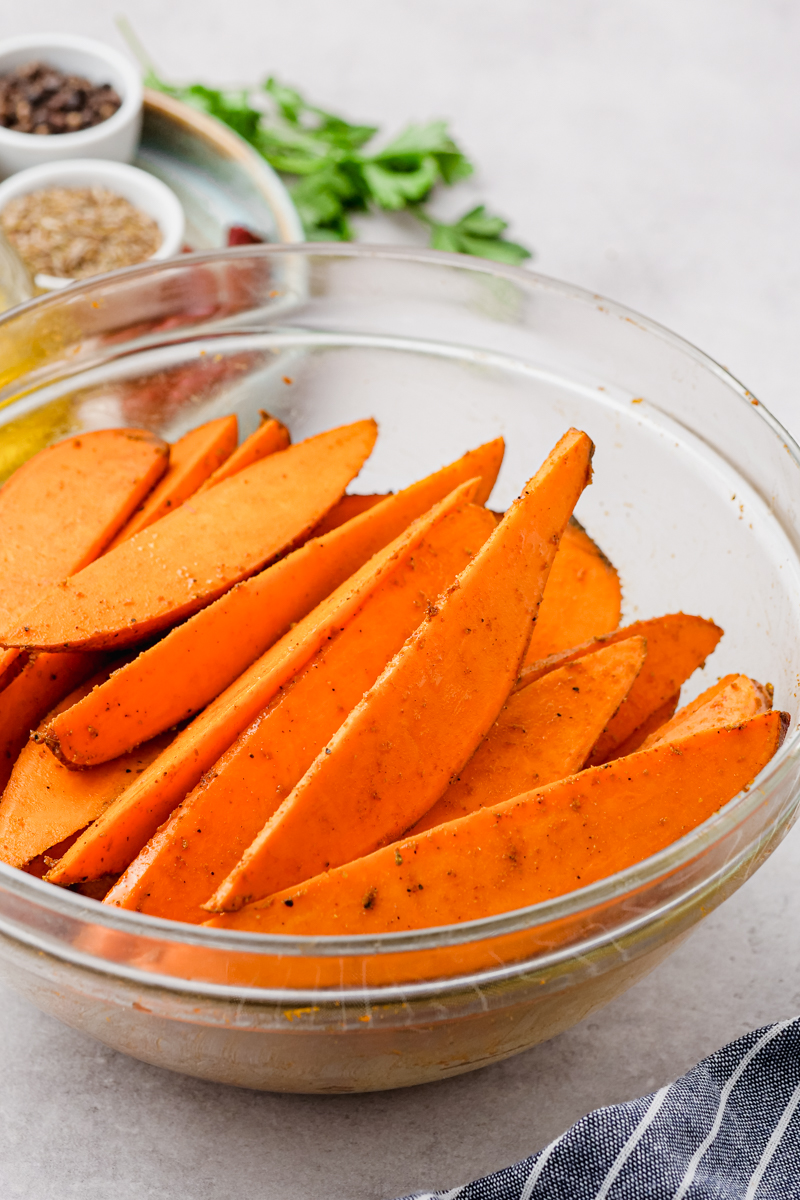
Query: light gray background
[{"x": 647, "y": 149}]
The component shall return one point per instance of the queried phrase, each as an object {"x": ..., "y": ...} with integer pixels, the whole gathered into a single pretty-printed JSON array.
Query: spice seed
[
  {"x": 39, "y": 99},
  {"x": 73, "y": 233}
]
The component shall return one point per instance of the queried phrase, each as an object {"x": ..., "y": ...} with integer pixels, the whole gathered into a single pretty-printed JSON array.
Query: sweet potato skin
[
  {"x": 544, "y": 732},
  {"x": 439, "y": 696},
  {"x": 184, "y": 862},
  {"x": 192, "y": 459},
  {"x": 189, "y": 558},
  {"x": 116, "y": 838},
  {"x": 582, "y": 600},
  {"x": 529, "y": 849},
  {"x": 196, "y": 661}
]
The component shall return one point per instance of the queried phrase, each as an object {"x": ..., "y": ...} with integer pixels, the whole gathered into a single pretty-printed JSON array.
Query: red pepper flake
[{"x": 239, "y": 235}]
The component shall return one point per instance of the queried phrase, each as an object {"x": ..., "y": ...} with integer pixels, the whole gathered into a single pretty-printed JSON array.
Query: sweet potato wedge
[
  {"x": 582, "y": 600},
  {"x": 535, "y": 847},
  {"x": 189, "y": 558},
  {"x": 192, "y": 459},
  {"x": 111, "y": 844},
  {"x": 43, "y": 682},
  {"x": 730, "y": 701},
  {"x": 348, "y": 507},
  {"x": 543, "y": 733},
  {"x": 205, "y": 837},
  {"x": 11, "y": 663},
  {"x": 677, "y": 645},
  {"x": 437, "y": 698},
  {"x": 270, "y": 437},
  {"x": 195, "y": 662},
  {"x": 658, "y": 717},
  {"x": 43, "y": 802},
  {"x": 60, "y": 509}
]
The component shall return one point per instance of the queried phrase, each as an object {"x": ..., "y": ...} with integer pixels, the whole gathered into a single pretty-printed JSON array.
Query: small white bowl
[
  {"x": 116, "y": 138},
  {"x": 142, "y": 190}
]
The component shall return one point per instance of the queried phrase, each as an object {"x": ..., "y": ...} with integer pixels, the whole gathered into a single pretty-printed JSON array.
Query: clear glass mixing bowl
[{"x": 695, "y": 499}]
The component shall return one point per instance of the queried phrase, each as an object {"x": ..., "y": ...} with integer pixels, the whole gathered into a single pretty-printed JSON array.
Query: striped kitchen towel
[{"x": 727, "y": 1130}]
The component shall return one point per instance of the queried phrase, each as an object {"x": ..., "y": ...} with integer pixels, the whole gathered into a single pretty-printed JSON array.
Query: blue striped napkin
[{"x": 727, "y": 1130}]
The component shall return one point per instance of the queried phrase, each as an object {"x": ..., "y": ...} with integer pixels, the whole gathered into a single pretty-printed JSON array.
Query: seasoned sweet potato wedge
[
  {"x": 437, "y": 699},
  {"x": 535, "y": 847},
  {"x": 348, "y": 507},
  {"x": 43, "y": 802},
  {"x": 195, "y": 662},
  {"x": 192, "y": 459},
  {"x": 677, "y": 645},
  {"x": 544, "y": 732},
  {"x": 111, "y": 844},
  {"x": 270, "y": 437},
  {"x": 189, "y": 558},
  {"x": 60, "y": 510},
  {"x": 44, "y": 681},
  {"x": 658, "y": 717},
  {"x": 205, "y": 837},
  {"x": 582, "y": 600},
  {"x": 730, "y": 701}
]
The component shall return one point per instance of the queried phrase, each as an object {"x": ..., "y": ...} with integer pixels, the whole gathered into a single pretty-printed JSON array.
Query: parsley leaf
[
  {"x": 478, "y": 233},
  {"x": 334, "y": 169}
]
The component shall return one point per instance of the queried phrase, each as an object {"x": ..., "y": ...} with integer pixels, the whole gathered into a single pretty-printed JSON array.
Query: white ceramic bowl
[
  {"x": 143, "y": 190},
  {"x": 117, "y": 138}
]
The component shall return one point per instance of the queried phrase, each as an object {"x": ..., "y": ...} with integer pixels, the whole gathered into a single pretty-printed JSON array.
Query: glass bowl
[{"x": 695, "y": 499}]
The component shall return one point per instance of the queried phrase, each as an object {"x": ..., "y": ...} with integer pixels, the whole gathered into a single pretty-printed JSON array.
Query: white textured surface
[{"x": 648, "y": 150}]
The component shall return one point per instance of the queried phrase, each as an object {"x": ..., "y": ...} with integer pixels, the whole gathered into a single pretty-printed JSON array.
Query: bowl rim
[
  {"x": 678, "y": 854},
  {"x": 228, "y": 144},
  {"x": 132, "y": 99}
]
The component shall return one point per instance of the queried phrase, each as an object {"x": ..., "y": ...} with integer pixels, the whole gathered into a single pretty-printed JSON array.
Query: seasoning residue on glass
[
  {"x": 73, "y": 233},
  {"x": 37, "y": 98}
]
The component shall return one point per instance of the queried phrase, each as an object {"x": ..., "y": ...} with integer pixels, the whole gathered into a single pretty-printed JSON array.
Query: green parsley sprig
[{"x": 335, "y": 168}]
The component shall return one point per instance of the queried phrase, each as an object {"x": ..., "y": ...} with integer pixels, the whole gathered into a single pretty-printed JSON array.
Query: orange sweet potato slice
[
  {"x": 535, "y": 847},
  {"x": 40, "y": 864},
  {"x": 198, "y": 552},
  {"x": 60, "y": 509},
  {"x": 544, "y": 732},
  {"x": 192, "y": 459},
  {"x": 670, "y": 660},
  {"x": 270, "y": 437},
  {"x": 437, "y": 698},
  {"x": 582, "y": 600},
  {"x": 484, "y": 462},
  {"x": 730, "y": 701},
  {"x": 207, "y": 834},
  {"x": 348, "y": 507},
  {"x": 43, "y": 682},
  {"x": 658, "y": 717},
  {"x": 112, "y": 842},
  {"x": 192, "y": 665},
  {"x": 677, "y": 645},
  {"x": 43, "y": 802},
  {"x": 11, "y": 663}
]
